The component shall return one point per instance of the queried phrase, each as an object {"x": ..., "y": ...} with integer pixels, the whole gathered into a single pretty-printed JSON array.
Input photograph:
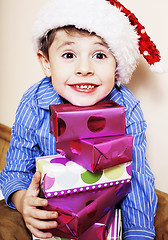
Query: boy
[{"x": 87, "y": 49}]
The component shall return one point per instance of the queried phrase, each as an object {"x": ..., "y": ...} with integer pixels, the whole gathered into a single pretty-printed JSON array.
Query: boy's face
[{"x": 82, "y": 67}]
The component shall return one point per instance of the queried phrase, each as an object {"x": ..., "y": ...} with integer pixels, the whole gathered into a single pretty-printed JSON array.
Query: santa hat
[{"x": 110, "y": 20}]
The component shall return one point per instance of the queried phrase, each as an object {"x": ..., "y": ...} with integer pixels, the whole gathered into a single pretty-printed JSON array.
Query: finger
[
  {"x": 33, "y": 189},
  {"x": 39, "y": 224},
  {"x": 43, "y": 214},
  {"x": 37, "y": 202},
  {"x": 39, "y": 234}
]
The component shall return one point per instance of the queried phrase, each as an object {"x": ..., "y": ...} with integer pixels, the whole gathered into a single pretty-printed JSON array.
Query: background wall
[{"x": 19, "y": 69}]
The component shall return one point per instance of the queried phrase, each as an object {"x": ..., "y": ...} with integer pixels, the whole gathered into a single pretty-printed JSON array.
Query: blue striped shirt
[{"x": 30, "y": 138}]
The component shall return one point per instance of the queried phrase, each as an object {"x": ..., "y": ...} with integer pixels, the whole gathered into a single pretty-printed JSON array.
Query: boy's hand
[{"x": 27, "y": 202}]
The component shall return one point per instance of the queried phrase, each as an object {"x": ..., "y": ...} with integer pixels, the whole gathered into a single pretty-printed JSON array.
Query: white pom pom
[{"x": 159, "y": 67}]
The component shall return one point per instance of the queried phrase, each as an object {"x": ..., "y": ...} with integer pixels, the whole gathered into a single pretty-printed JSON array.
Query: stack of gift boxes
[{"x": 91, "y": 174}]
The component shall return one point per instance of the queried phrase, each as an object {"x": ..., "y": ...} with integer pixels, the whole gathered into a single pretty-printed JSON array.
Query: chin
[{"x": 84, "y": 103}]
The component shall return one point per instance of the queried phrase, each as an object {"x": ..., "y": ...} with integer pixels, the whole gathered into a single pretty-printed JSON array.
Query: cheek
[
  {"x": 110, "y": 74},
  {"x": 108, "y": 79},
  {"x": 108, "y": 85},
  {"x": 58, "y": 74},
  {"x": 107, "y": 70},
  {"x": 61, "y": 72},
  {"x": 57, "y": 80}
]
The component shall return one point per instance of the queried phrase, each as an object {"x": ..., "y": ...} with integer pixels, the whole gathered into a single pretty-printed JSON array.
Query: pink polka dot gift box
[
  {"x": 81, "y": 197},
  {"x": 69, "y": 122}
]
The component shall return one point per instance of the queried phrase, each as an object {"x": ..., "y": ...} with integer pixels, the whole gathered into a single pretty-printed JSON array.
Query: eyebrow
[
  {"x": 65, "y": 44},
  {"x": 102, "y": 44},
  {"x": 71, "y": 42}
]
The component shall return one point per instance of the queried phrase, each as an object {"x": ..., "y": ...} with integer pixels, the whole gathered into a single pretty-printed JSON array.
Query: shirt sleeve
[
  {"x": 21, "y": 154},
  {"x": 139, "y": 207}
]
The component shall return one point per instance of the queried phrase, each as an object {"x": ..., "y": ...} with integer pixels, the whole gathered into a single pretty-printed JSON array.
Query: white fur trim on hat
[{"x": 97, "y": 16}]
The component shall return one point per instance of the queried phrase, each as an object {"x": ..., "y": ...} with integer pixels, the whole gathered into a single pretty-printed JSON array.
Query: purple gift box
[
  {"x": 80, "y": 197},
  {"x": 108, "y": 227},
  {"x": 69, "y": 122},
  {"x": 96, "y": 154}
]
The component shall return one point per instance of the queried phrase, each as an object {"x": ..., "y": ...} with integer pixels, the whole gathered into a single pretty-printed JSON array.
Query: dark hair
[
  {"x": 46, "y": 42},
  {"x": 48, "y": 39}
]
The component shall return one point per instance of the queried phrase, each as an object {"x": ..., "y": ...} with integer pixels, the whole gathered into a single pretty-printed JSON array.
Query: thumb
[{"x": 33, "y": 189}]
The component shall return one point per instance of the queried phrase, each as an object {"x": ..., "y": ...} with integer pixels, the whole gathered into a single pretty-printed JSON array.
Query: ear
[{"x": 44, "y": 62}]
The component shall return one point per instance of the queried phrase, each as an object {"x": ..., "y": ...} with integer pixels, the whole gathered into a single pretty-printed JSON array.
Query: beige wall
[{"x": 19, "y": 69}]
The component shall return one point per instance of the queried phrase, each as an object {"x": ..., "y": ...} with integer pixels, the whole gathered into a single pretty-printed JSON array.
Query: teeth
[{"x": 85, "y": 86}]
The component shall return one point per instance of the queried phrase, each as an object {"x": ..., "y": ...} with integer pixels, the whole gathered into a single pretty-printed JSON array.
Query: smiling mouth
[{"x": 84, "y": 87}]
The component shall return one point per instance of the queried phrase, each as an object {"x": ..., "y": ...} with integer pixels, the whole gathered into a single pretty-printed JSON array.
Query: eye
[
  {"x": 68, "y": 55},
  {"x": 100, "y": 55}
]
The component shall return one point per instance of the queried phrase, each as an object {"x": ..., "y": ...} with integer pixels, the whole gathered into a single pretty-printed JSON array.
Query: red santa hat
[{"x": 110, "y": 20}]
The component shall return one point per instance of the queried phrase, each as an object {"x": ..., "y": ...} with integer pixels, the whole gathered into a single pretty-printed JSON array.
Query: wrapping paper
[
  {"x": 107, "y": 228},
  {"x": 80, "y": 197},
  {"x": 68, "y": 122},
  {"x": 60, "y": 176},
  {"x": 98, "y": 153}
]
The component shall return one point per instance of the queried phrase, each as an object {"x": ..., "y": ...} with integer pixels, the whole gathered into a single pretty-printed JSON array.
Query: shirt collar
[{"x": 46, "y": 94}]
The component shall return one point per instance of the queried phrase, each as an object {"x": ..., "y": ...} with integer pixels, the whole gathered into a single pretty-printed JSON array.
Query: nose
[{"x": 84, "y": 67}]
